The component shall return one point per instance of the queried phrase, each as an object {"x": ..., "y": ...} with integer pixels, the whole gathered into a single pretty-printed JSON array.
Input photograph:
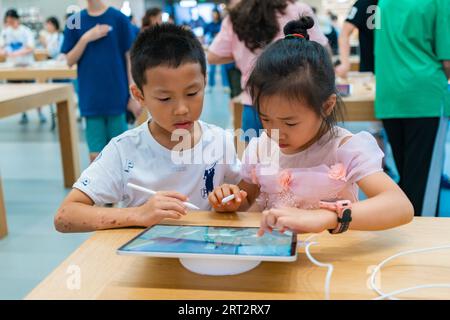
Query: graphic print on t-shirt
[
  {"x": 208, "y": 177},
  {"x": 129, "y": 165}
]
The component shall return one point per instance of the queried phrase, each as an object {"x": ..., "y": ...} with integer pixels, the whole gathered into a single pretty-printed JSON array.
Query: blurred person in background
[
  {"x": 412, "y": 50},
  {"x": 211, "y": 30},
  {"x": 52, "y": 39},
  {"x": 152, "y": 17},
  {"x": 17, "y": 44}
]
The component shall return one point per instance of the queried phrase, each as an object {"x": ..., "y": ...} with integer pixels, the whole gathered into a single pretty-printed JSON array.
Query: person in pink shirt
[
  {"x": 304, "y": 172},
  {"x": 251, "y": 26}
]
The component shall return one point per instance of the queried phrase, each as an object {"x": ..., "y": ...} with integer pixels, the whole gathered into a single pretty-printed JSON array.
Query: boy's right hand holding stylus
[
  {"x": 225, "y": 190},
  {"x": 163, "y": 205}
]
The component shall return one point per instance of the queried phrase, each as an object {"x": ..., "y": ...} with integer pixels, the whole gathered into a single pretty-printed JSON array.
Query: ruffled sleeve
[{"x": 361, "y": 156}]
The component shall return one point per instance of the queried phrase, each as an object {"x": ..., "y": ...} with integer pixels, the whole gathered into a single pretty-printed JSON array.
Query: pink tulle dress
[{"x": 326, "y": 171}]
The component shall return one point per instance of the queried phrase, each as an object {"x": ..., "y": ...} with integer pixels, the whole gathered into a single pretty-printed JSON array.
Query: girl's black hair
[
  {"x": 255, "y": 21},
  {"x": 298, "y": 69},
  {"x": 55, "y": 22}
]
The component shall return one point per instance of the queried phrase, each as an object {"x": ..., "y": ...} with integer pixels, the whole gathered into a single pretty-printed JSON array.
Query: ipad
[{"x": 233, "y": 243}]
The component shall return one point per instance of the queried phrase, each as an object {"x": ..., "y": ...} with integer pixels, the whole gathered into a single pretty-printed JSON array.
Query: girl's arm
[
  {"x": 386, "y": 207},
  {"x": 78, "y": 213}
]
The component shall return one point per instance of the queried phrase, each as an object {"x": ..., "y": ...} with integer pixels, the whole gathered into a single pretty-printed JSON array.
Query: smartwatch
[{"x": 343, "y": 209}]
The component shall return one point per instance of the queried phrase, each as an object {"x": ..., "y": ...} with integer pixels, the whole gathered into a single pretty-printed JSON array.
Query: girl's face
[
  {"x": 50, "y": 27},
  {"x": 297, "y": 123}
]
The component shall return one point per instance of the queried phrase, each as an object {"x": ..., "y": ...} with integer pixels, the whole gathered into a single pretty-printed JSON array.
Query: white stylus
[
  {"x": 228, "y": 199},
  {"x": 152, "y": 193}
]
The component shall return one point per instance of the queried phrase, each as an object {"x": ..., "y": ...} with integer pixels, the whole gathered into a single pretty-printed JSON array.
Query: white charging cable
[
  {"x": 392, "y": 295},
  {"x": 320, "y": 264}
]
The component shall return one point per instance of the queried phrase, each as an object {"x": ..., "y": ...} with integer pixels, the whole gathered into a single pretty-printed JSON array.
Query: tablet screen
[
  {"x": 212, "y": 240},
  {"x": 344, "y": 89}
]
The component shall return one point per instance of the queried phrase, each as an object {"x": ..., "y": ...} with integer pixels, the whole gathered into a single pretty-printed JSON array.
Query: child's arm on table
[
  {"x": 78, "y": 213},
  {"x": 386, "y": 207},
  {"x": 245, "y": 195}
]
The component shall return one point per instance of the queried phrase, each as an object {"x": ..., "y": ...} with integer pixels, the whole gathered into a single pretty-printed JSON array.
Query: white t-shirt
[
  {"x": 136, "y": 157},
  {"x": 54, "y": 43},
  {"x": 15, "y": 39}
]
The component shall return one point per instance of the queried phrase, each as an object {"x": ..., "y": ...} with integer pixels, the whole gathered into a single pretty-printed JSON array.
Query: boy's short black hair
[
  {"x": 12, "y": 13},
  {"x": 165, "y": 44}
]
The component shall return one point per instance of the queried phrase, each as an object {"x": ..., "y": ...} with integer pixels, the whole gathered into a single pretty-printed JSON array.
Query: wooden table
[
  {"x": 105, "y": 275},
  {"x": 41, "y": 71},
  {"x": 17, "y": 98},
  {"x": 360, "y": 105}
]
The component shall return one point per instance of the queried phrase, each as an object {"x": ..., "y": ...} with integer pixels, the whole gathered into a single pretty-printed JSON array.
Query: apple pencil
[
  {"x": 228, "y": 199},
  {"x": 152, "y": 193}
]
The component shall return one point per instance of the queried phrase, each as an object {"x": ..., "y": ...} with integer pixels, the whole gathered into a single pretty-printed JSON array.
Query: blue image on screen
[{"x": 211, "y": 240}]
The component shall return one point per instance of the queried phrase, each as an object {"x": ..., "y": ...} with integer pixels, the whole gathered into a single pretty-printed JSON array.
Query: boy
[
  {"x": 99, "y": 45},
  {"x": 17, "y": 44},
  {"x": 169, "y": 69}
]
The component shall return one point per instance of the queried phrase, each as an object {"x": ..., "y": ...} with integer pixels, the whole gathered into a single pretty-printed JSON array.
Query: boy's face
[
  {"x": 173, "y": 96},
  {"x": 12, "y": 22}
]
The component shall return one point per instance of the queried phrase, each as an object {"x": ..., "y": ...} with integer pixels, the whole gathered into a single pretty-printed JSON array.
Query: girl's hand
[
  {"x": 225, "y": 190},
  {"x": 297, "y": 220},
  {"x": 165, "y": 204}
]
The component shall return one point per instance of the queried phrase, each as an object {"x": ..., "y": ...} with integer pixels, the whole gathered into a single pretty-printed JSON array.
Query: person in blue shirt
[{"x": 98, "y": 39}]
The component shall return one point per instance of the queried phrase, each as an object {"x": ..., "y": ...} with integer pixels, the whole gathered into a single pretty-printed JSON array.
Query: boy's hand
[
  {"x": 97, "y": 32},
  {"x": 297, "y": 220},
  {"x": 165, "y": 204},
  {"x": 225, "y": 190}
]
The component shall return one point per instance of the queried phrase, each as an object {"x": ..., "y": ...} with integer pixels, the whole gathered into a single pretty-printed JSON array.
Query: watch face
[{"x": 346, "y": 215}]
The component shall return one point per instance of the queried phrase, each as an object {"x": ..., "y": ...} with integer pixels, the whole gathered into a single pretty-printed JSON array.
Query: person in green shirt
[{"x": 412, "y": 64}]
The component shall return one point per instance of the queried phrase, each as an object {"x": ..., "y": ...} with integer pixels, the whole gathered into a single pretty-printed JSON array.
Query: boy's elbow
[{"x": 59, "y": 221}]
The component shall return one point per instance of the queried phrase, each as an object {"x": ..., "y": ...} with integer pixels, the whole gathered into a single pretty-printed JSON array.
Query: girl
[
  {"x": 53, "y": 38},
  {"x": 304, "y": 172}
]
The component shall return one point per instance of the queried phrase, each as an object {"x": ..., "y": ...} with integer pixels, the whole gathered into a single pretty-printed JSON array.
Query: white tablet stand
[{"x": 218, "y": 267}]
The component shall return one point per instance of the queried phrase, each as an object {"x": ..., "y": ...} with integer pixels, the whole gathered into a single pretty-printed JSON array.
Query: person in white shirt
[
  {"x": 173, "y": 153},
  {"x": 52, "y": 39},
  {"x": 17, "y": 44}
]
